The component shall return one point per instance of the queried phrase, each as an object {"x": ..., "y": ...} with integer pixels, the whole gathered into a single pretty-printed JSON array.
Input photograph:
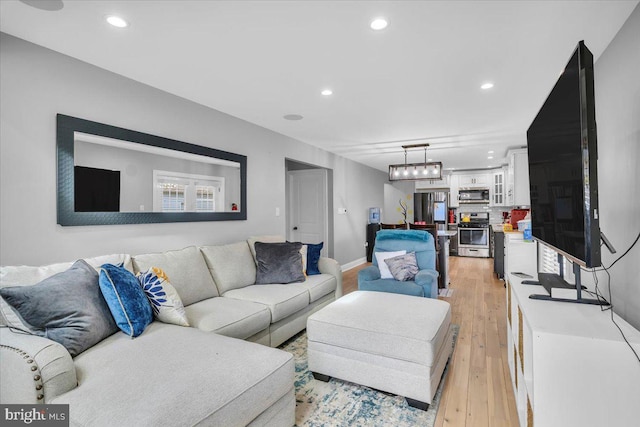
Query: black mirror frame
[{"x": 67, "y": 216}]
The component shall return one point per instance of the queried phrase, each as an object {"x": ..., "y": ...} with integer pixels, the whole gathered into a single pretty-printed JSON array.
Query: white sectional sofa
[{"x": 212, "y": 373}]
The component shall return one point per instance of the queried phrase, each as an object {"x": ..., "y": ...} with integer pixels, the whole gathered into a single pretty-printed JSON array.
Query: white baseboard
[{"x": 353, "y": 264}]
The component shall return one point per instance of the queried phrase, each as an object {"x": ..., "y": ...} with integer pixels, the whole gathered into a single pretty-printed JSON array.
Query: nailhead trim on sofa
[{"x": 37, "y": 377}]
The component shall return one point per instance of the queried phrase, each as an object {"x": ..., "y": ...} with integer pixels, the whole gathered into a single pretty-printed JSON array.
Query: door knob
[{"x": 295, "y": 228}]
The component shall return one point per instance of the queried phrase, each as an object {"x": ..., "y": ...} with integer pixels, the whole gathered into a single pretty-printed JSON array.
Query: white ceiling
[{"x": 417, "y": 81}]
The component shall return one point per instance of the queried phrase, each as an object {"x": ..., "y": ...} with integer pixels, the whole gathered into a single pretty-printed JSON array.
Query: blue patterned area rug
[{"x": 341, "y": 403}]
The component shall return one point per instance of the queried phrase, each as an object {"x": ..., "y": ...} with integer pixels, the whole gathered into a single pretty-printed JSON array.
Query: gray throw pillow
[
  {"x": 67, "y": 307},
  {"x": 279, "y": 263},
  {"x": 403, "y": 267}
]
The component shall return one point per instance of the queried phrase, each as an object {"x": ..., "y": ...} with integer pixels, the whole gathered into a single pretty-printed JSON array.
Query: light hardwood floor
[{"x": 477, "y": 390}]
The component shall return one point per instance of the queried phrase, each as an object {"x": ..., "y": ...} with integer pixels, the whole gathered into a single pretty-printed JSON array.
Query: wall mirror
[{"x": 111, "y": 175}]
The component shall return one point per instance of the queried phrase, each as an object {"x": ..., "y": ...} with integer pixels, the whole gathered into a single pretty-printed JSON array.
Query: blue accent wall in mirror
[{"x": 159, "y": 179}]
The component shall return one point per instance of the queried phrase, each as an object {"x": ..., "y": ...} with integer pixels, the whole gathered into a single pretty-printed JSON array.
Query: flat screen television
[
  {"x": 96, "y": 190},
  {"x": 563, "y": 177},
  {"x": 563, "y": 155}
]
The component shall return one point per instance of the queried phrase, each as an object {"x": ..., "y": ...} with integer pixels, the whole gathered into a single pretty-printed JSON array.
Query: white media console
[{"x": 569, "y": 364}]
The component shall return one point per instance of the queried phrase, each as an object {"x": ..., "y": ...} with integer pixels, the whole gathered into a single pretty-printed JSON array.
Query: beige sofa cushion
[
  {"x": 317, "y": 286},
  {"x": 229, "y": 317},
  {"x": 187, "y": 272},
  {"x": 232, "y": 266},
  {"x": 282, "y": 300},
  {"x": 176, "y": 376}
]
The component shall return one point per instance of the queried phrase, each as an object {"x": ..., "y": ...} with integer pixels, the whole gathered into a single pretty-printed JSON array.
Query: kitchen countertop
[
  {"x": 497, "y": 228},
  {"x": 447, "y": 233}
]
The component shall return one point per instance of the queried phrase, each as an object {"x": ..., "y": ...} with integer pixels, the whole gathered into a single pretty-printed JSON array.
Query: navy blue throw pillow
[{"x": 313, "y": 256}]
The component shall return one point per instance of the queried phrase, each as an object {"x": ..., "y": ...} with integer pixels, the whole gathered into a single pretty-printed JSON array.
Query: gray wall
[
  {"x": 617, "y": 93},
  {"x": 37, "y": 83}
]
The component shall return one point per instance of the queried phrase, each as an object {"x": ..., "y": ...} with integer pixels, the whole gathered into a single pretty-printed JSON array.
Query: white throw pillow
[
  {"x": 164, "y": 299},
  {"x": 385, "y": 273}
]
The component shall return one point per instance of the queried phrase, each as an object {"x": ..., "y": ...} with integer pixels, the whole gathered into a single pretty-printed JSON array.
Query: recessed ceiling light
[
  {"x": 327, "y": 92},
  {"x": 490, "y": 157},
  {"x": 429, "y": 160},
  {"x": 116, "y": 21},
  {"x": 486, "y": 86},
  {"x": 292, "y": 117},
  {"x": 379, "y": 24},
  {"x": 490, "y": 151}
]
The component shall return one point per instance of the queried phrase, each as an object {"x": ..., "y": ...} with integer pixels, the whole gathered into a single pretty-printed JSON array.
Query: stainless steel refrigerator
[{"x": 431, "y": 207}]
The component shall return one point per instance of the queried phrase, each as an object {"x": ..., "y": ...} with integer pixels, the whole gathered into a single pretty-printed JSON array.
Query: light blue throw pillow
[{"x": 126, "y": 299}]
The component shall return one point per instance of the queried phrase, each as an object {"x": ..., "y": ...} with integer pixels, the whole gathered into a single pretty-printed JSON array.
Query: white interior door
[{"x": 308, "y": 207}]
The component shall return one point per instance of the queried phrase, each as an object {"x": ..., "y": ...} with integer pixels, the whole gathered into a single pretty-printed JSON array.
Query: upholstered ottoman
[{"x": 391, "y": 342}]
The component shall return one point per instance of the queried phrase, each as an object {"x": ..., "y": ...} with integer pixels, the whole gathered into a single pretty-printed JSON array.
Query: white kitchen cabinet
[
  {"x": 433, "y": 184},
  {"x": 509, "y": 176},
  {"x": 518, "y": 178},
  {"x": 568, "y": 362},
  {"x": 497, "y": 190},
  {"x": 453, "y": 191},
  {"x": 479, "y": 180}
]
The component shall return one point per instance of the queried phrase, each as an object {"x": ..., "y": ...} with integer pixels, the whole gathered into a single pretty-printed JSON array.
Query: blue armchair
[{"x": 421, "y": 242}]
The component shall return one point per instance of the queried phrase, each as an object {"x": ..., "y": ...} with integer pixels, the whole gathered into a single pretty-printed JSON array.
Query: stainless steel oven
[{"x": 473, "y": 235}]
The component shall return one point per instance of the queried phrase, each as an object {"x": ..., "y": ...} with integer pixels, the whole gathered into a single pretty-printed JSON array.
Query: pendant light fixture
[{"x": 415, "y": 171}]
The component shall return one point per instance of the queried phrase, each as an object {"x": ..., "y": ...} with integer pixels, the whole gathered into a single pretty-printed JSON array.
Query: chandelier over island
[{"x": 415, "y": 171}]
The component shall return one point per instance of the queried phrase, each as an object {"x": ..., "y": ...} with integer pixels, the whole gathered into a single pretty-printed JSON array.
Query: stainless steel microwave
[{"x": 475, "y": 195}]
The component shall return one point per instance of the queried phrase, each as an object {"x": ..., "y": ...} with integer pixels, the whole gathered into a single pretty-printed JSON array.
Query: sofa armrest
[
  {"x": 33, "y": 369},
  {"x": 368, "y": 274},
  {"x": 428, "y": 279},
  {"x": 331, "y": 266}
]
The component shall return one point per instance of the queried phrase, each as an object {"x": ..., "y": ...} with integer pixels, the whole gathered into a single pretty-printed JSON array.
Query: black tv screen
[
  {"x": 563, "y": 178},
  {"x": 96, "y": 190}
]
